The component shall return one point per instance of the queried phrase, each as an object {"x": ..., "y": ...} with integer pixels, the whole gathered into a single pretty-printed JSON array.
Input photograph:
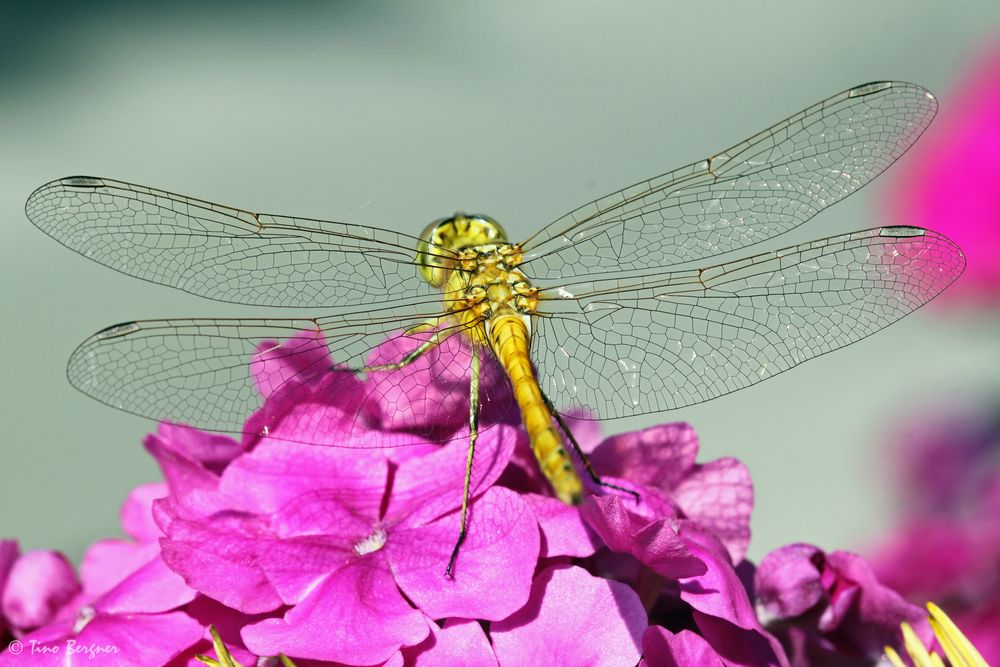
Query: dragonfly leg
[
  {"x": 580, "y": 453},
  {"x": 473, "y": 436},
  {"x": 412, "y": 356}
]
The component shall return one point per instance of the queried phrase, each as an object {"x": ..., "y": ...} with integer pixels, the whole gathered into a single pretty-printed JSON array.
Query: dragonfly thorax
[{"x": 483, "y": 287}]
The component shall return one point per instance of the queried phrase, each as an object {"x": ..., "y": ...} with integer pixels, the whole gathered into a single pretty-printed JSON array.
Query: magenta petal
[
  {"x": 137, "y": 512},
  {"x": 427, "y": 487},
  {"x": 718, "y": 591},
  {"x": 787, "y": 581},
  {"x": 142, "y": 639},
  {"x": 38, "y": 584},
  {"x": 275, "y": 474},
  {"x": 565, "y": 531},
  {"x": 356, "y": 616},
  {"x": 152, "y": 588},
  {"x": 661, "y": 648},
  {"x": 718, "y": 496},
  {"x": 492, "y": 575},
  {"x": 560, "y": 624},
  {"x": 193, "y": 488},
  {"x": 880, "y": 610},
  {"x": 213, "y": 451},
  {"x": 460, "y": 643},
  {"x": 302, "y": 358},
  {"x": 9, "y": 552},
  {"x": 295, "y": 566},
  {"x": 432, "y": 393},
  {"x": 654, "y": 542},
  {"x": 657, "y": 456},
  {"x": 136, "y": 640},
  {"x": 220, "y": 559},
  {"x": 107, "y": 562},
  {"x": 739, "y": 647}
]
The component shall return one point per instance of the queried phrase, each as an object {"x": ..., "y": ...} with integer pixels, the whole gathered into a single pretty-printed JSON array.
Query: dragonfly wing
[
  {"x": 654, "y": 342},
  {"x": 214, "y": 374},
  {"x": 753, "y": 191},
  {"x": 225, "y": 253}
]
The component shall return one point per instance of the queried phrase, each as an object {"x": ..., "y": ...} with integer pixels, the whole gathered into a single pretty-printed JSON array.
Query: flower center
[{"x": 372, "y": 543}]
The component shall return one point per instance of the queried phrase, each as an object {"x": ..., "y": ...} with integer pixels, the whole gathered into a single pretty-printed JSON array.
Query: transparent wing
[
  {"x": 225, "y": 253},
  {"x": 214, "y": 374},
  {"x": 753, "y": 191},
  {"x": 647, "y": 343}
]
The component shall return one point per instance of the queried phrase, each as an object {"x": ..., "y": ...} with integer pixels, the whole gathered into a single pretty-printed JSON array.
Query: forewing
[
  {"x": 654, "y": 342},
  {"x": 215, "y": 374},
  {"x": 753, "y": 191},
  {"x": 225, "y": 253}
]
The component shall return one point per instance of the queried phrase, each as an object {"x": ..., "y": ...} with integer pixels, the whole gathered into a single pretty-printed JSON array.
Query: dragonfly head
[{"x": 456, "y": 234}]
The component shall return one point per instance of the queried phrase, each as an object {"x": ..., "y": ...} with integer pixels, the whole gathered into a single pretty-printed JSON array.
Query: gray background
[{"x": 394, "y": 114}]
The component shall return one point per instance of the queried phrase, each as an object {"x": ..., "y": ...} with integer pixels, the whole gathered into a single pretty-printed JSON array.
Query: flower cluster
[{"x": 337, "y": 554}]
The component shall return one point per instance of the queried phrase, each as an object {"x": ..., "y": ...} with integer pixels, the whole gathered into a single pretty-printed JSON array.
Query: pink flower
[
  {"x": 331, "y": 534},
  {"x": 950, "y": 182},
  {"x": 126, "y": 609},
  {"x": 38, "y": 584},
  {"x": 830, "y": 608},
  {"x": 946, "y": 546}
]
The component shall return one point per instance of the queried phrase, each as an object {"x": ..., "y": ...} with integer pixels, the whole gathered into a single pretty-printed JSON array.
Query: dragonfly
[{"x": 635, "y": 303}]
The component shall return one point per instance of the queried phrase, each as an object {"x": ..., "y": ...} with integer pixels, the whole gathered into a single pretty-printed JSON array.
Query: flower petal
[
  {"x": 718, "y": 496},
  {"x": 355, "y": 616},
  {"x": 221, "y": 560},
  {"x": 565, "y": 531},
  {"x": 658, "y": 456},
  {"x": 559, "y": 626},
  {"x": 718, "y": 591},
  {"x": 662, "y": 648},
  {"x": 129, "y": 640},
  {"x": 492, "y": 575},
  {"x": 787, "y": 581},
  {"x": 654, "y": 542},
  {"x": 429, "y": 486},
  {"x": 137, "y": 512},
  {"x": 152, "y": 588},
  {"x": 460, "y": 643},
  {"x": 276, "y": 474},
  {"x": 107, "y": 562}
]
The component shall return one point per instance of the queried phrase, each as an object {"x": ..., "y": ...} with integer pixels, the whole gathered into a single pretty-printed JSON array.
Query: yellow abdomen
[{"x": 508, "y": 338}]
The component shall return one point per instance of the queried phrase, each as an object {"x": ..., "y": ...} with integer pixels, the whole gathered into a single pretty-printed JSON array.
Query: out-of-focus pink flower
[
  {"x": 134, "y": 622},
  {"x": 830, "y": 608},
  {"x": 949, "y": 183},
  {"x": 946, "y": 546},
  {"x": 9, "y": 552},
  {"x": 39, "y": 583}
]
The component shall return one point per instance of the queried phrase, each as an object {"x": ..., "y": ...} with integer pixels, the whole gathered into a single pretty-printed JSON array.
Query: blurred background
[{"x": 394, "y": 114}]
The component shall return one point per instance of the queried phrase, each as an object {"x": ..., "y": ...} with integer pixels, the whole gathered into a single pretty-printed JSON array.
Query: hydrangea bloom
[
  {"x": 337, "y": 555},
  {"x": 949, "y": 181}
]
